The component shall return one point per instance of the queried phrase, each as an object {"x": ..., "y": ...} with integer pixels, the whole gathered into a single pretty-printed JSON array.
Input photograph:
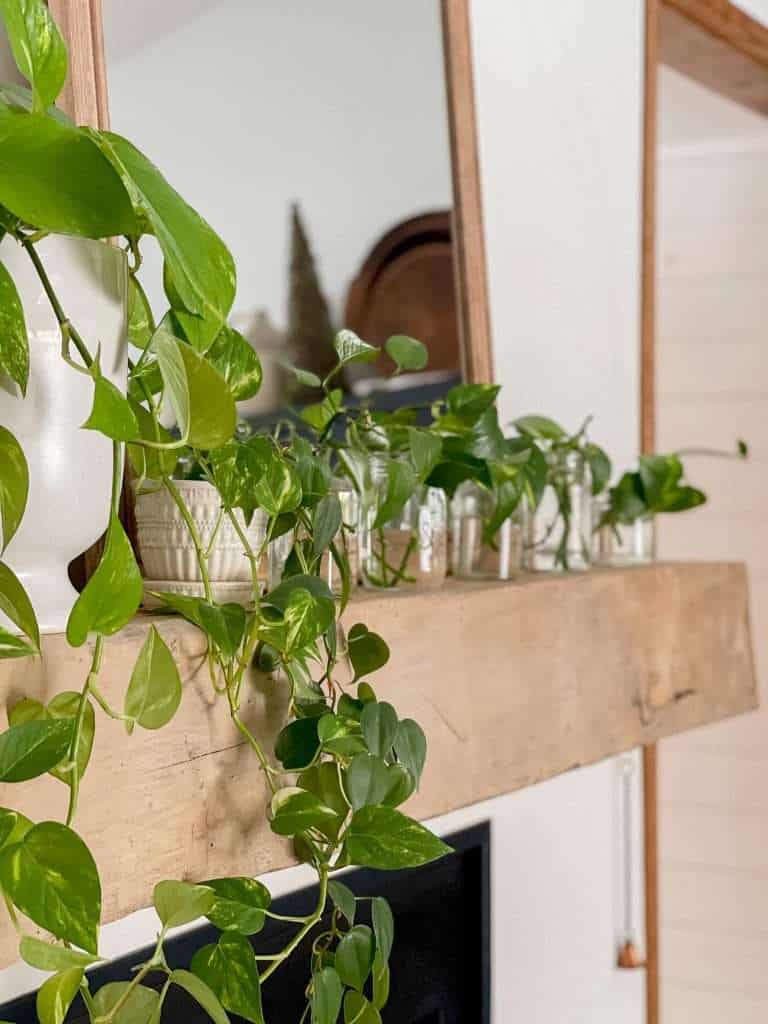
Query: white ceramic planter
[
  {"x": 167, "y": 551},
  {"x": 70, "y": 469}
]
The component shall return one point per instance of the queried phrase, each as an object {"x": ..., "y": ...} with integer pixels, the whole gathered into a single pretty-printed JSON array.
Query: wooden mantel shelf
[{"x": 513, "y": 683}]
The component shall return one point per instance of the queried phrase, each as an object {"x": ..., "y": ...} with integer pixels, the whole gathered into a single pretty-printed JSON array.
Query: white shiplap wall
[{"x": 713, "y": 387}]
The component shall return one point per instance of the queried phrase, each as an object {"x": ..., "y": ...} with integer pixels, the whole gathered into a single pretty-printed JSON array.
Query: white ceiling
[{"x": 129, "y": 25}]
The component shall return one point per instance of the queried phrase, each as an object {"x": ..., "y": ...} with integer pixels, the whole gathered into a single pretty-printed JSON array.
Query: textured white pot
[
  {"x": 167, "y": 551},
  {"x": 70, "y": 469}
]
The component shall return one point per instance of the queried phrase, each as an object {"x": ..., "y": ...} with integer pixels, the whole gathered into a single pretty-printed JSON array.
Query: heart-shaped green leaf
[
  {"x": 343, "y": 899},
  {"x": 306, "y": 617},
  {"x": 52, "y": 878},
  {"x": 229, "y": 970},
  {"x": 180, "y": 903},
  {"x": 381, "y": 837},
  {"x": 540, "y": 427},
  {"x": 111, "y": 412},
  {"x": 340, "y": 735},
  {"x": 297, "y": 744},
  {"x": 54, "y": 997},
  {"x": 320, "y": 415},
  {"x": 366, "y": 781},
  {"x": 354, "y": 956},
  {"x": 112, "y": 595},
  {"x": 327, "y": 992},
  {"x": 14, "y": 345},
  {"x": 383, "y": 926},
  {"x": 39, "y": 152},
  {"x": 38, "y": 48},
  {"x": 65, "y": 705},
  {"x": 380, "y": 975},
  {"x": 281, "y": 595},
  {"x": 367, "y": 651},
  {"x": 411, "y": 747},
  {"x": 198, "y": 263},
  {"x": 12, "y": 646},
  {"x": 323, "y": 781},
  {"x": 425, "y": 449},
  {"x": 407, "y": 353},
  {"x": 154, "y": 692},
  {"x": 278, "y": 489},
  {"x": 33, "y": 748},
  {"x": 399, "y": 487},
  {"x": 236, "y": 360},
  {"x": 224, "y": 624},
  {"x": 13, "y": 827},
  {"x": 379, "y": 724},
  {"x": 141, "y": 323},
  {"x": 357, "y": 1010},
  {"x": 201, "y": 401},
  {"x": 140, "y": 1007},
  {"x": 15, "y": 603},
  {"x": 240, "y": 904},
  {"x": 326, "y": 522},
  {"x": 14, "y": 485},
  {"x": 47, "y": 957},
  {"x": 351, "y": 349},
  {"x": 400, "y": 785},
  {"x": 201, "y": 993},
  {"x": 295, "y": 810}
]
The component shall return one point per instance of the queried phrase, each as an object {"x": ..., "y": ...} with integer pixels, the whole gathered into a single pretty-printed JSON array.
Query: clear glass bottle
[
  {"x": 621, "y": 544},
  {"x": 472, "y": 557},
  {"x": 410, "y": 548},
  {"x": 558, "y": 532}
]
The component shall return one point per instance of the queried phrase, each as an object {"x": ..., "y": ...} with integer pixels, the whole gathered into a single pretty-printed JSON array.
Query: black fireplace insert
[{"x": 441, "y": 964}]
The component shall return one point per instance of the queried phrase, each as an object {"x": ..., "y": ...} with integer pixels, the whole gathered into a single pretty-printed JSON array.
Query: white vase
[
  {"x": 70, "y": 470},
  {"x": 167, "y": 551}
]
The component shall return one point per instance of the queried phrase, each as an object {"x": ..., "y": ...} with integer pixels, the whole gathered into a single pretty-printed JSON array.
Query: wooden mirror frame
[
  {"x": 717, "y": 44},
  {"x": 85, "y": 100}
]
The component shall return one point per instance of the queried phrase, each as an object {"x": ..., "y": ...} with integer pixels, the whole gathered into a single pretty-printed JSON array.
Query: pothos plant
[
  {"x": 389, "y": 457},
  {"x": 345, "y": 761},
  {"x": 571, "y": 460},
  {"x": 657, "y": 487}
]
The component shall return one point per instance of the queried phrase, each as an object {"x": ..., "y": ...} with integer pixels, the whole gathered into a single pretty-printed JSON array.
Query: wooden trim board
[
  {"x": 513, "y": 683},
  {"x": 468, "y": 237},
  {"x": 719, "y": 46},
  {"x": 647, "y": 445}
]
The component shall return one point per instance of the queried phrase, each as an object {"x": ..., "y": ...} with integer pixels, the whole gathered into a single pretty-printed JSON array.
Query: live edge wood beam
[{"x": 513, "y": 683}]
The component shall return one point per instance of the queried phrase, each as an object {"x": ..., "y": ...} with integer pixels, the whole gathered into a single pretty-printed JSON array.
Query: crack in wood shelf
[{"x": 513, "y": 683}]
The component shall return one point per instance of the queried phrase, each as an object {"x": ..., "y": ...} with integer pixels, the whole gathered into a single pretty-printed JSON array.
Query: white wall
[
  {"x": 559, "y": 94},
  {"x": 757, "y": 8},
  {"x": 559, "y": 104},
  {"x": 248, "y": 106},
  {"x": 713, "y": 387}
]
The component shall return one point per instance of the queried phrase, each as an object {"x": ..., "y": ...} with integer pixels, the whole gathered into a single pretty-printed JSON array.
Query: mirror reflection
[{"x": 319, "y": 135}]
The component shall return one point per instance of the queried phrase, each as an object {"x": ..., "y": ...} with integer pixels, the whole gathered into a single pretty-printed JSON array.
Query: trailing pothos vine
[{"x": 346, "y": 761}]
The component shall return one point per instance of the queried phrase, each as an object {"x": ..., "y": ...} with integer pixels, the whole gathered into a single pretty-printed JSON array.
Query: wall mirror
[{"x": 323, "y": 142}]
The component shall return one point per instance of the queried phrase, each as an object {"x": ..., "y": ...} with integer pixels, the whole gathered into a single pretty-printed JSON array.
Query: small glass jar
[
  {"x": 558, "y": 532},
  {"x": 346, "y": 542},
  {"x": 472, "y": 555},
  {"x": 621, "y": 544},
  {"x": 410, "y": 548}
]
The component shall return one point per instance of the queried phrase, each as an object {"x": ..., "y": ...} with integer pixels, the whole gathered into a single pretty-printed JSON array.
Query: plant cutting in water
[
  {"x": 576, "y": 468},
  {"x": 657, "y": 487},
  {"x": 345, "y": 761}
]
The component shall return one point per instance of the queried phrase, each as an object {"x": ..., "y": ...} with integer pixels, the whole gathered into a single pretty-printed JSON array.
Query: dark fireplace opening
[{"x": 441, "y": 963}]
